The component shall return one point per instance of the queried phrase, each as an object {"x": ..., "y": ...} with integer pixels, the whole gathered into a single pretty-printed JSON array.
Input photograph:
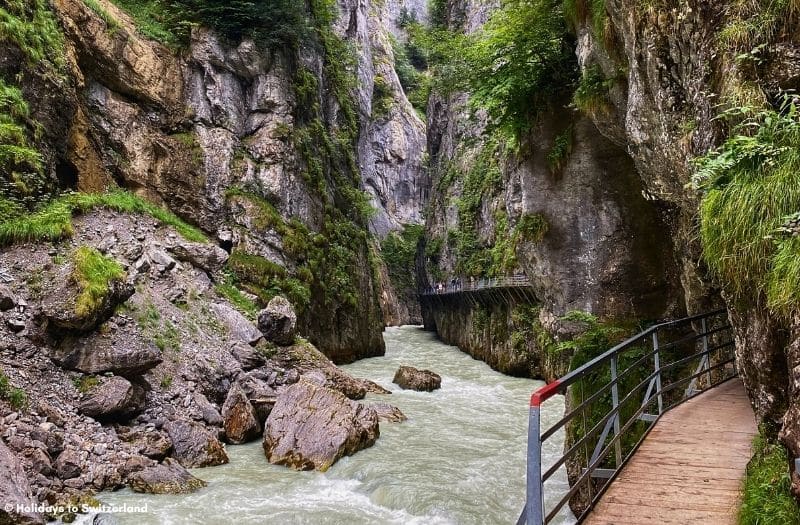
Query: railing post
[
  {"x": 657, "y": 370},
  {"x": 614, "y": 405},
  {"x": 704, "y": 327},
  {"x": 534, "y": 506}
]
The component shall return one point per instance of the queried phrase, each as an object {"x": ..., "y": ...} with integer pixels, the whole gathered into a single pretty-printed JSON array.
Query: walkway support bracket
[{"x": 646, "y": 375}]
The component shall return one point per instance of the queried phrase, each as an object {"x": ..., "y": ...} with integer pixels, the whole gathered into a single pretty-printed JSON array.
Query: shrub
[
  {"x": 751, "y": 188},
  {"x": 94, "y": 274}
]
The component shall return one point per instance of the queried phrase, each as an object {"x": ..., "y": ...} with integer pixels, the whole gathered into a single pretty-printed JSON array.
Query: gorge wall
[{"x": 580, "y": 227}]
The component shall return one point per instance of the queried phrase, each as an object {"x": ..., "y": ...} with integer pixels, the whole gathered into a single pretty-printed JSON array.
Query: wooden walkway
[{"x": 690, "y": 467}]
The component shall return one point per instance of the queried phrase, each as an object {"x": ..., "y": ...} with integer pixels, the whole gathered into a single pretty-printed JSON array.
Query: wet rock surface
[
  {"x": 240, "y": 422},
  {"x": 311, "y": 427},
  {"x": 195, "y": 446},
  {"x": 168, "y": 477},
  {"x": 410, "y": 378}
]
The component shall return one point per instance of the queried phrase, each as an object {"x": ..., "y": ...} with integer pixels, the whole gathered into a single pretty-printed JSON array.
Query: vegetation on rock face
[
  {"x": 399, "y": 251},
  {"x": 766, "y": 498},
  {"x": 751, "y": 188},
  {"x": 31, "y": 27},
  {"x": 93, "y": 274},
  {"x": 271, "y": 23},
  {"x": 16, "y": 397},
  {"x": 53, "y": 220}
]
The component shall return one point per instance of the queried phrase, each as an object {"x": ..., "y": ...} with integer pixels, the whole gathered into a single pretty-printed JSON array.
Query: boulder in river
[
  {"x": 115, "y": 399},
  {"x": 312, "y": 427},
  {"x": 410, "y": 378},
  {"x": 388, "y": 413},
  {"x": 239, "y": 417},
  {"x": 194, "y": 446},
  {"x": 168, "y": 477},
  {"x": 278, "y": 321},
  {"x": 15, "y": 491}
]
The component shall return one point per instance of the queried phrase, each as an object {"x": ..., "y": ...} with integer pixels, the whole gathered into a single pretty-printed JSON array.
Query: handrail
[
  {"x": 606, "y": 408},
  {"x": 461, "y": 284}
]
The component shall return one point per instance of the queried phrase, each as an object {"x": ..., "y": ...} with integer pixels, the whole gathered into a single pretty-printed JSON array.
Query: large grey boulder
[
  {"x": 15, "y": 491},
  {"x": 200, "y": 255},
  {"x": 115, "y": 399},
  {"x": 388, "y": 413},
  {"x": 168, "y": 477},
  {"x": 122, "y": 352},
  {"x": 278, "y": 322},
  {"x": 239, "y": 327},
  {"x": 59, "y": 308},
  {"x": 239, "y": 417},
  {"x": 312, "y": 427},
  {"x": 194, "y": 446},
  {"x": 410, "y": 378}
]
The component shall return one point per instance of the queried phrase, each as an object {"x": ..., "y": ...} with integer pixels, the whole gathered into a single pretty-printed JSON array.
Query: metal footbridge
[{"x": 656, "y": 430}]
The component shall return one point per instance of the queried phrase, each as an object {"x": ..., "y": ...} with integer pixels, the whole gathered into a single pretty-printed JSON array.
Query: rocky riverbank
[{"x": 157, "y": 374}]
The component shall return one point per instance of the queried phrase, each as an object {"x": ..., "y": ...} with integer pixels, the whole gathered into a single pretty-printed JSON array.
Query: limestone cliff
[
  {"x": 266, "y": 150},
  {"x": 681, "y": 63},
  {"x": 578, "y": 226}
]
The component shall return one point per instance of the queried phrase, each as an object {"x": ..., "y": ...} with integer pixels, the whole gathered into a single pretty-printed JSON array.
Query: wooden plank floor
[{"x": 689, "y": 468}]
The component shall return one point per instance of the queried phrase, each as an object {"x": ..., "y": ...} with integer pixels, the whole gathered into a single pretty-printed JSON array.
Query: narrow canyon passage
[{"x": 460, "y": 458}]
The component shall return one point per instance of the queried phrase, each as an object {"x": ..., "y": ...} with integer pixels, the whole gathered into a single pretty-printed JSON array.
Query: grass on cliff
[
  {"x": 766, "y": 497},
  {"x": 53, "y": 221},
  {"x": 93, "y": 273},
  {"x": 751, "y": 197}
]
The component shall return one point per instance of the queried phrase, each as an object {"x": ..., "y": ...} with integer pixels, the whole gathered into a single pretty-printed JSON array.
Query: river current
[{"x": 459, "y": 459}]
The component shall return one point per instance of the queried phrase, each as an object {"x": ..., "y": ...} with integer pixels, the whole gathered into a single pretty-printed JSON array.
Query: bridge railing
[
  {"x": 471, "y": 285},
  {"x": 613, "y": 401}
]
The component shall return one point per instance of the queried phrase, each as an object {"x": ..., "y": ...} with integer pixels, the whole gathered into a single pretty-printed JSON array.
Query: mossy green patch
[
  {"x": 53, "y": 221},
  {"x": 94, "y": 274},
  {"x": 766, "y": 495}
]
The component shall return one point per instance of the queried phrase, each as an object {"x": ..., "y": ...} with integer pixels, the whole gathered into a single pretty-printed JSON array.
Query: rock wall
[
  {"x": 677, "y": 70},
  {"x": 184, "y": 130},
  {"x": 605, "y": 249}
]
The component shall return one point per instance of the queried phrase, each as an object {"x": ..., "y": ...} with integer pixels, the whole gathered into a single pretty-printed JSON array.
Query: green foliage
[
  {"x": 399, "y": 252},
  {"x": 519, "y": 61},
  {"x": 168, "y": 338},
  {"x": 84, "y": 384},
  {"x": 155, "y": 20},
  {"x": 228, "y": 289},
  {"x": 112, "y": 24},
  {"x": 594, "y": 12},
  {"x": 32, "y": 26},
  {"x": 382, "y": 97},
  {"x": 53, "y": 221},
  {"x": 266, "y": 279},
  {"x": 94, "y": 274},
  {"x": 21, "y": 167},
  {"x": 437, "y": 12},
  {"x": 413, "y": 76},
  {"x": 591, "y": 95},
  {"x": 766, "y": 496},
  {"x": 751, "y": 187},
  {"x": 559, "y": 153},
  {"x": 16, "y": 397},
  {"x": 755, "y": 22},
  {"x": 531, "y": 228}
]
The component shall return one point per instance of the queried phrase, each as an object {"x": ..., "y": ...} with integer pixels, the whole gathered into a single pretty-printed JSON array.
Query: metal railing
[
  {"x": 472, "y": 285},
  {"x": 613, "y": 401}
]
